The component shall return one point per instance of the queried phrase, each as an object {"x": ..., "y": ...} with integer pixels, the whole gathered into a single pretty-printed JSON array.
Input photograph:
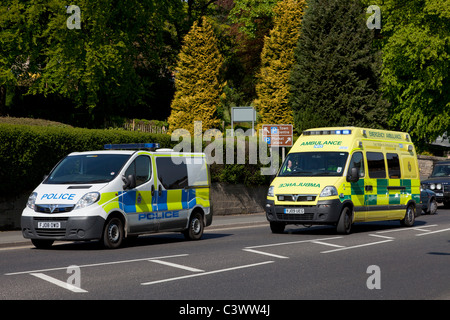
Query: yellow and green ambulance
[
  {"x": 113, "y": 194},
  {"x": 338, "y": 176}
]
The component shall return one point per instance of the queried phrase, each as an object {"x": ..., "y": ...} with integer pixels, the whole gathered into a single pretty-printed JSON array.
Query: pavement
[{"x": 15, "y": 238}]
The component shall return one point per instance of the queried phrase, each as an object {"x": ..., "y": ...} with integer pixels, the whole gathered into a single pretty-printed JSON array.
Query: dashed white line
[
  {"x": 59, "y": 283},
  {"x": 176, "y": 265},
  {"x": 265, "y": 253},
  {"x": 358, "y": 246}
]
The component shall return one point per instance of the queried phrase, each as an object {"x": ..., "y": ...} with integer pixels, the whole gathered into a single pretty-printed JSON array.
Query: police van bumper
[
  {"x": 326, "y": 212},
  {"x": 62, "y": 228}
]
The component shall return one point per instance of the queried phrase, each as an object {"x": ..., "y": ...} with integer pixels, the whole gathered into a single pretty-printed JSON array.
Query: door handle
[
  {"x": 368, "y": 188},
  {"x": 159, "y": 190},
  {"x": 153, "y": 190}
]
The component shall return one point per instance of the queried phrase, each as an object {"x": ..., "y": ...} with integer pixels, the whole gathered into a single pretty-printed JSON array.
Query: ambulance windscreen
[
  {"x": 306, "y": 164},
  {"x": 87, "y": 168}
]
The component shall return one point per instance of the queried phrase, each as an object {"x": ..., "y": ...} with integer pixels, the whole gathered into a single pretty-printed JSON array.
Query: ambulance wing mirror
[
  {"x": 129, "y": 182},
  {"x": 354, "y": 175}
]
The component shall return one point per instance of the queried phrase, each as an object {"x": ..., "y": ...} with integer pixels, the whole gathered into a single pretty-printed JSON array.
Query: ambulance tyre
[
  {"x": 113, "y": 233},
  {"x": 410, "y": 216},
  {"x": 42, "y": 244},
  {"x": 277, "y": 227},
  {"x": 195, "y": 228},
  {"x": 344, "y": 225}
]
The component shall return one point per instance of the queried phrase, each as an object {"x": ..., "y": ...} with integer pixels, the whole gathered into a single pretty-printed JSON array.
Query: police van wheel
[
  {"x": 344, "y": 225},
  {"x": 195, "y": 229},
  {"x": 113, "y": 233},
  {"x": 410, "y": 217}
]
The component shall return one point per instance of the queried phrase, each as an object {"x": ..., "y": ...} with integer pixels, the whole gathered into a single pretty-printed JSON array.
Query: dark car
[
  {"x": 439, "y": 182},
  {"x": 428, "y": 201}
]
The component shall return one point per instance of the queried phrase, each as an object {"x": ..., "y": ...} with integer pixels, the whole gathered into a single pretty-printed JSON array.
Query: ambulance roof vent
[{"x": 131, "y": 146}]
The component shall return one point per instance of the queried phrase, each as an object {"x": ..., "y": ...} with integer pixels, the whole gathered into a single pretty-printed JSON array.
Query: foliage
[
  {"x": 277, "y": 59},
  {"x": 335, "y": 78},
  {"x": 197, "y": 82},
  {"x": 416, "y": 66},
  {"x": 27, "y": 153}
]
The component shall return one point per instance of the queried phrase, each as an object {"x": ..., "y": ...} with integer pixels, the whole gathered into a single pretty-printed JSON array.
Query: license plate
[
  {"x": 295, "y": 211},
  {"x": 49, "y": 225}
]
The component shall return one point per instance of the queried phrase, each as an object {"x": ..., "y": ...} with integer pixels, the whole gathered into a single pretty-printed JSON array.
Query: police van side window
[
  {"x": 375, "y": 164},
  {"x": 393, "y": 163},
  {"x": 141, "y": 168},
  {"x": 357, "y": 162},
  {"x": 171, "y": 175}
]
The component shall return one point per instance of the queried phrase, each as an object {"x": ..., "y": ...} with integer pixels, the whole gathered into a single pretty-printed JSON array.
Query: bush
[{"x": 27, "y": 153}]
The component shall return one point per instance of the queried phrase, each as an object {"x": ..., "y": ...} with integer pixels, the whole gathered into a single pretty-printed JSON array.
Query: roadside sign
[{"x": 278, "y": 135}]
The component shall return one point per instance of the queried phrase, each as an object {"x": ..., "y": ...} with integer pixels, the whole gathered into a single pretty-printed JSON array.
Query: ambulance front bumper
[
  {"x": 62, "y": 228},
  {"x": 325, "y": 212}
]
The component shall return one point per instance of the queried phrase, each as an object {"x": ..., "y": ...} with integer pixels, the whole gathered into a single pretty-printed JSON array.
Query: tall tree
[
  {"x": 416, "y": 66},
  {"x": 335, "y": 79},
  {"x": 277, "y": 58},
  {"x": 197, "y": 82}
]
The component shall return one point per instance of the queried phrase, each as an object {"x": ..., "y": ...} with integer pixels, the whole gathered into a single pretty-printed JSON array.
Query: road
[{"x": 237, "y": 262}]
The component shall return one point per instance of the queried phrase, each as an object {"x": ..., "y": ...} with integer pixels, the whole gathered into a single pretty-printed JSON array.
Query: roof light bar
[
  {"x": 326, "y": 132},
  {"x": 131, "y": 146}
]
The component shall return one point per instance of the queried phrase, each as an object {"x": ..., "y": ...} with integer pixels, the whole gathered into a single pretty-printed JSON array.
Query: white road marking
[
  {"x": 431, "y": 232},
  {"x": 266, "y": 254},
  {"x": 59, "y": 283},
  {"x": 205, "y": 273},
  {"x": 358, "y": 246},
  {"x": 175, "y": 265}
]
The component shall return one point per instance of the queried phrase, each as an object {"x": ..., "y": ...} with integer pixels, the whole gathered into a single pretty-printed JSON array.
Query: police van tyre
[
  {"x": 410, "y": 216},
  {"x": 195, "y": 229},
  {"x": 344, "y": 225},
  {"x": 42, "y": 244},
  {"x": 113, "y": 233}
]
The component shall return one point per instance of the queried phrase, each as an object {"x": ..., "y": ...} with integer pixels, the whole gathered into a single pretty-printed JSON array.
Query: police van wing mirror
[
  {"x": 354, "y": 175},
  {"x": 129, "y": 182}
]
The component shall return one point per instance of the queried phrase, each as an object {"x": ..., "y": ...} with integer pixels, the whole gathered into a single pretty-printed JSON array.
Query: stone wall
[{"x": 426, "y": 165}]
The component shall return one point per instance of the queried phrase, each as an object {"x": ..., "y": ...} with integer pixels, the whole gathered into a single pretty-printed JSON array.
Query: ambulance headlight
[
  {"x": 329, "y": 191},
  {"x": 87, "y": 200},
  {"x": 32, "y": 200},
  {"x": 270, "y": 192}
]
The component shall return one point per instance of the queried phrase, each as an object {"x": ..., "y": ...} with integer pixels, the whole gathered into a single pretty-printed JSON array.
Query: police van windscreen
[
  {"x": 88, "y": 168},
  {"x": 302, "y": 164}
]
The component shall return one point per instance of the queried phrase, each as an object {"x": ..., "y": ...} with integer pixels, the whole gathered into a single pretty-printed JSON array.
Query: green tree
[
  {"x": 416, "y": 66},
  {"x": 197, "y": 81},
  {"x": 335, "y": 79},
  {"x": 277, "y": 58}
]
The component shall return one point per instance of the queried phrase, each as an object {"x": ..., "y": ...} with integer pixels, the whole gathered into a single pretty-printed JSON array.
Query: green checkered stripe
[{"x": 383, "y": 196}]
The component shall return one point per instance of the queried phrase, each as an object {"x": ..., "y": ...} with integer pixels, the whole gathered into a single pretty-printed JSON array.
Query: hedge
[{"x": 28, "y": 153}]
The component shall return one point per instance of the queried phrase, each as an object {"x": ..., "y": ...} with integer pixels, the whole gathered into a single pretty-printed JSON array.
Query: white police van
[{"x": 112, "y": 194}]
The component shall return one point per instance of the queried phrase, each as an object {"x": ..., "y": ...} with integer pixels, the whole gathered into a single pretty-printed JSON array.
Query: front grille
[
  {"x": 295, "y": 217},
  {"x": 51, "y": 232},
  {"x": 296, "y": 197},
  {"x": 53, "y": 208}
]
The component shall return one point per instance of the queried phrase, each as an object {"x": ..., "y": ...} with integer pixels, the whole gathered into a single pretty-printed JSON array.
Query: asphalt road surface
[{"x": 238, "y": 262}]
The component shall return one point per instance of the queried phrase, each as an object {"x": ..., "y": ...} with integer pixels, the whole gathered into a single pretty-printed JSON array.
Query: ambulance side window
[
  {"x": 376, "y": 166},
  {"x": 141, "y": 169},
  {"x": 393, "y": 163},
  {"x": 357, "y": 162}
]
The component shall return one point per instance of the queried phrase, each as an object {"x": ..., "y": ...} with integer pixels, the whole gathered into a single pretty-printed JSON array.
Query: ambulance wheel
[
  {"x": 195, "y": 229},
  {"x": 344, "y": 225},
  {"x": 410, "y": 217},
  {"x": 277, "y": 227},
  {"x": 113, "y": 233},
  {"x": 42, "y": 244}
]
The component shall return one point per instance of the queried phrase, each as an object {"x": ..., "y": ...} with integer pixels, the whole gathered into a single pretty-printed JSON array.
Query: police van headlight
[
  {"x": 329, "y": 191},
  {"x": 32, "y": 200},
  {"x": 270, "y": 191},
  {"x": 87, "y": 200}
]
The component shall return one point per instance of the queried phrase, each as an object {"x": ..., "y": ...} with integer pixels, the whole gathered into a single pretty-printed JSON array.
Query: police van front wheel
[
  {"x": 113, "y": 233},
  {"x": 195, "y": 229}
]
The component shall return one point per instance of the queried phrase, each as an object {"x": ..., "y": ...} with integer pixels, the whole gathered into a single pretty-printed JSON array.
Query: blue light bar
[
  {"x": 327, "y": 132},
  {"x": 131, "y": 146}
]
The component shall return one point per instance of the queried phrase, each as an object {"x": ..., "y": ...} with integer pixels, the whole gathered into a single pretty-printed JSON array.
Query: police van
[
  {"x": 339, "y": 176},
  {"x": 113, "y": 194}
]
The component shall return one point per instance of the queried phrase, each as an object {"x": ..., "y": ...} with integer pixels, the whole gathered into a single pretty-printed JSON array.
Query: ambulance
[
  {"x": 120, "y": 192},
  {"x": 339, "y": 176}
]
